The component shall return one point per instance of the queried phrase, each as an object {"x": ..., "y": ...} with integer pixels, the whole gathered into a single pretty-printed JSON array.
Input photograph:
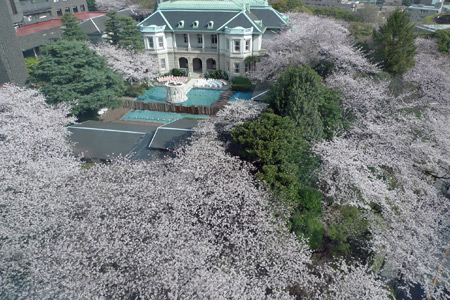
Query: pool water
[
  {"x": 241, "y": 96},
  {"x": 196, "y": 96},
  {"x": 158, "y": 116}
]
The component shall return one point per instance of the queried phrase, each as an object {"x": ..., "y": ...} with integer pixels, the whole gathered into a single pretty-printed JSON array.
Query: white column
[
  {"x": 189, "y": 41},
  {"x": 174, "y": 43},
  {"x": 203, "y": 42}
]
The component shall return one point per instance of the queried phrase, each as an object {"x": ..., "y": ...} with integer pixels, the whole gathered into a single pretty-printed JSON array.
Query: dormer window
[
  {"x": 195, "y": 24},
  {"x": 210, "y": 24},
  {"x": 180, "y": 24}
]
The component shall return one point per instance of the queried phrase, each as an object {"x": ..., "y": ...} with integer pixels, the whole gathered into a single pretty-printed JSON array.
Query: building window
[
  {"x": 185, "y": 37},
  {"x": 163, "y": 63},
  {"x": 160, "y": 42},
  {"x": 150, "y": 43},
  {"x": 82, "y": 7},
  {"x": 228, "y": 66},
  {"x": 199, "y": 38},
  {"x": 236, "y": 68},
  {"x": 228, "y": 45},
  {"x": 56, "y": 1},
  {"x": 59, "y": 12},
  {"x": 75, "y": 9},
  {"x": 247, "y": 45},
  {"x": 237, "y": 45},
  {"x": 67, "y": 9},
  {"x": 214, "y": 39}
]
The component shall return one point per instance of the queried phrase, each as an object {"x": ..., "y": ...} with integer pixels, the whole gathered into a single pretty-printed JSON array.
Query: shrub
[
  {"x": 180, "y": 72},
  {"x": 242, "y": 84},
  {"x": 443, "y": 40},
  {"x": 336, "y": 13},
  {"x": 218, "y": 74}
]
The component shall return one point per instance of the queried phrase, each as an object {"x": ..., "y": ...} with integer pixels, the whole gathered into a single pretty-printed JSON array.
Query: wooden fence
[{"x": 170, "y": 107}]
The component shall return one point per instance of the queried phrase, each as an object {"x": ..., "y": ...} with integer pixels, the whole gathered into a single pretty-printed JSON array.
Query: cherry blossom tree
[
  {"x": 109, "y": 5},
  {"x": 389, "y": 161},
  {"x": 308, "y": 40},
  {"x": 132, "y": 66},
  {"x": 356, "y": 282},
  {"x": 195, "y": 226}
]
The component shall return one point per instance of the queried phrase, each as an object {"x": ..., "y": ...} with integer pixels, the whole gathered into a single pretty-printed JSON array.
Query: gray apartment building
[
  {"x": 12, "y": 65},
  {"x": 24, "y": 12}
]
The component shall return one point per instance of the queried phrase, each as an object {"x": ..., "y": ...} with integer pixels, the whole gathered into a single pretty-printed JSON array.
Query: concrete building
[
  {"x": 419, "y": 12},
  {"x": 204, "y": 35},
  {"x": 12, "y": 64},
  {"x": 26, "y": 12}
]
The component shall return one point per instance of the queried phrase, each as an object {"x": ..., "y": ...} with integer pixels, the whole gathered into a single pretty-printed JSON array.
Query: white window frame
[
  {"x": 214, "y": 39},
  {"x": 247, "y": 45},
  {"x": 151, "y": 43},
  {"x": 162, "y": 63},
  {"x": 237, "y": 45},
  {"x": 185, "y": 38},
  {"x": 237, "y": 68},
  {"x": 199, "y": 38},
  {"x": 160, "y": 42}
]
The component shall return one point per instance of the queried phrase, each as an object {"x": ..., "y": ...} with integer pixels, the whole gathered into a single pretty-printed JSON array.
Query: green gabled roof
[
  {"x": 232, "y": 13},
  {"x": 210, "y": 4}
]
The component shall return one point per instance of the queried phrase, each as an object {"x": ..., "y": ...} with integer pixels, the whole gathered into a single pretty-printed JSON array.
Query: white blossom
[
  {"x": 306, "y": 41},
  {"x": 390, "y": 157},
  {"x": 132, "y": 66}
]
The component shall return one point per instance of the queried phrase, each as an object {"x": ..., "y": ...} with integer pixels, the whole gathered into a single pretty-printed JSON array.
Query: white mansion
[{"x": 206, "y": 35}]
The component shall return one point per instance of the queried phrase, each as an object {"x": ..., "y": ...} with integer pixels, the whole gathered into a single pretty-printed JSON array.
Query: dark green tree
[
  {"x": 285, "y": 163},
  {"x": 123, "y": 32},
  {"x": 443, "y": 40},
  {"x": 300, "y": 94},
  {"x": 349, "y": 235},
  {"x": 130, "y": 35},
  {"x": 336, "y": 12},
  {"x": 394, "y": 43},
  {"x": 112, "y": 28},
  {"x": 290, "y": 5},
  {"x": 274, "y": 144},
  {"x": 70, "y": 72},
  {"x": 92, "y": 5},
  {"x": 70, "y": 29}
]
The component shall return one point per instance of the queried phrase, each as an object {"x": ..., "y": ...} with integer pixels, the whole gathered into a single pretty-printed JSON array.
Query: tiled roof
[
  {"x": 41, "y": 26},
  {"x": 97, "y": 23},
  {"x": 236, "y": 13},
  {"x": 270, "y": 17}
]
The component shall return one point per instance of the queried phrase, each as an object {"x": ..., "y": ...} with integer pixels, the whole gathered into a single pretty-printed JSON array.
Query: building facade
[
  {"x": 24, "y": 12},
  {"x": 12, "y": 64},
  {"x": 205, "y": 35}
]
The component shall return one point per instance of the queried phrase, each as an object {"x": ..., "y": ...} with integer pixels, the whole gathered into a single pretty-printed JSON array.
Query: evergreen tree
[
  {"x": 113, "y": 28},
  {"x": 299, "y": 94},
  {"x": 130, "y": 35},
  {"x": 92, "y": 5},
  {"x": 394, "y": 43},
  {"x": 70, "y": 72},
  {"x": 123, "y": 32},
  {"x": 70, "y": 30}
]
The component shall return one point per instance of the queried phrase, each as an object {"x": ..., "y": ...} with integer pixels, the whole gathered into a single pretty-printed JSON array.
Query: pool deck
[{"x": 114, "y": 116}]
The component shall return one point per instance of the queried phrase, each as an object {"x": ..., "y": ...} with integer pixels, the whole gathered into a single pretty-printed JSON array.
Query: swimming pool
[
  {"x": 196, "y": 96},
  {"x": 241, "y": 96},
  {"x": 158, "y": 116}
]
